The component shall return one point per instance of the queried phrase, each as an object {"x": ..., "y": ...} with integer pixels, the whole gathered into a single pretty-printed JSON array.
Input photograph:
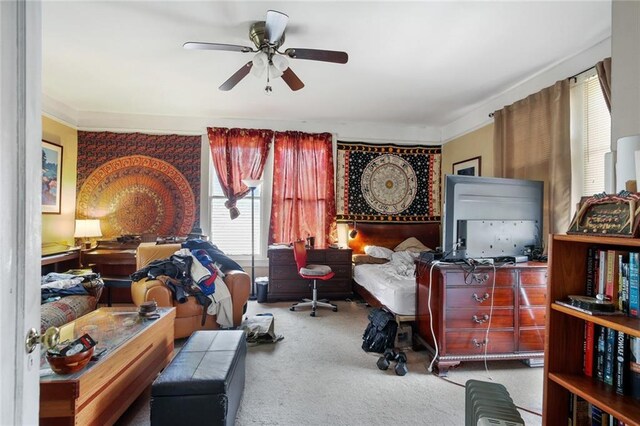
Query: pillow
[
  {"x": 411, "y": 244},
  {"x": 365, "y": 259},
  {"x": 377, "y": 251}
]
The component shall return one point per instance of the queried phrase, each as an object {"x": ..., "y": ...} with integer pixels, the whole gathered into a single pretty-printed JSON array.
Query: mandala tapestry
[
  {"x": 176, "y": 161},
  {"x": 138, "y": 194},
  {"x": 388, "y": 183}
]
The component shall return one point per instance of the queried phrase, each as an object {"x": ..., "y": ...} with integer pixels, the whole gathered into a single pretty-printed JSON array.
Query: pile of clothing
[
  {"x": 81, "y": 282},
  {"x": 197, "y": 270}
]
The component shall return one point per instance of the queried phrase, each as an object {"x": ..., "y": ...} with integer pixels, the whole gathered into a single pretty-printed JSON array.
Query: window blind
[
  {"x": 596, "y": 134},
  {"x": 234, "y": 236}
]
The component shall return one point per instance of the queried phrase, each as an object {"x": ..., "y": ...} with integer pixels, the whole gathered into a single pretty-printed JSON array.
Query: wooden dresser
[
  {"x": 286, "y": 284},
  {"x": 461, "y": 307},
  {"x": 114, "y": 261}
]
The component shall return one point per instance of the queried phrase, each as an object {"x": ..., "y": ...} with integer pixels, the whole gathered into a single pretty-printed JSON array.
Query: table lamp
[{"x": 87, "y": 228}]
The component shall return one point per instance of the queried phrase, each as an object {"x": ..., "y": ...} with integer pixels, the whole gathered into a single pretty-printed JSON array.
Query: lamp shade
[
  {"x": 87, "y": 228},
  {"x": 252, "y": 183}
]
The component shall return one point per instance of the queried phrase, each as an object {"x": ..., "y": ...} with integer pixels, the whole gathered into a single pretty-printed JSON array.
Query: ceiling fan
[{"x": 268, "y": 37}]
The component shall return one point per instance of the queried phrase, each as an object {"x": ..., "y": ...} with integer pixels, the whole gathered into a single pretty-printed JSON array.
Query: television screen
[{"x": 490, "y": 217}]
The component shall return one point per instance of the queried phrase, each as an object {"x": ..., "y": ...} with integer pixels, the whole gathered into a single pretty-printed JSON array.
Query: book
[
  {"x": 611, "y": 285},
  {"x": 634, "y": 367},
  {"x": 586, "y": 310},
  {"x": 580, "y": 410},
  {"x": 596, "y": 416},
  {"x": 621, "y": 363},
  {"x": 599, "y": 337},
  {"x": 624, "y": 293},
  {"x": 609, "y": 354},
  {"x": 591, "y": 258},
  {"x": 634, "y": 284},
  {"x": 614, "y": 288},
  {"x": 602, "y": 272},
  {"x": 588, "y": 349}
]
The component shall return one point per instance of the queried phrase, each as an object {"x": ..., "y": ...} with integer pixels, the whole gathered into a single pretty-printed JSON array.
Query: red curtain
[
  {"x": 238, "y": 154},
  {"x": 303, "y": 192}
]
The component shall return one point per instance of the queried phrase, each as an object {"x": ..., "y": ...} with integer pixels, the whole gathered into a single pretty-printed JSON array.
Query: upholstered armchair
[{"x": 189, "y": 314}]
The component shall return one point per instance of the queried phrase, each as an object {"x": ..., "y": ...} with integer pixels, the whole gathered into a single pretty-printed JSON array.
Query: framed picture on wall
[
  {"x": 51, "y": 177},
  {"x": 470, "y": 167}
]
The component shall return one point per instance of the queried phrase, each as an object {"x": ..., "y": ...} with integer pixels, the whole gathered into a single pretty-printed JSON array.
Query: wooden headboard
[{"x": 391, "y": 234}]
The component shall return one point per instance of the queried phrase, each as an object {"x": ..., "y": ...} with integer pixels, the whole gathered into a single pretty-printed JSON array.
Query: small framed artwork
[
  {"x": 470, "y": 167},
  {"x": 51, "y": 177}
]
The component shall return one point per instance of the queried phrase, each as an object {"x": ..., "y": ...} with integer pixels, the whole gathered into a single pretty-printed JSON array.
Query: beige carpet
[{"x": 319, "y": 375}]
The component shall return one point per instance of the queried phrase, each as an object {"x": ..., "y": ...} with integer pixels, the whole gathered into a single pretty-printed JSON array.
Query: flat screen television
[{"x": 490, "y": 217}]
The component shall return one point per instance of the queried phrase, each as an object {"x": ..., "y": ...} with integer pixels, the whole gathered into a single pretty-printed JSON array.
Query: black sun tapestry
[{"x": 388, "y": 183}]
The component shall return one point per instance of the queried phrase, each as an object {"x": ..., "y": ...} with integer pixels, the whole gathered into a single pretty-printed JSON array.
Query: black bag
[{"x": 380, "y": 334}]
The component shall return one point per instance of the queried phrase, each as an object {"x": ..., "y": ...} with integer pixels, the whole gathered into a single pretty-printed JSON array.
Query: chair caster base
[
  {"x": 293, "y": 308},
  {"x": 335, "y": 309},
  {"x": 313, "y": 313}
]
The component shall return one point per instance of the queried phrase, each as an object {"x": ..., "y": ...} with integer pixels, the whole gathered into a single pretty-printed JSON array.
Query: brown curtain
[
  {"x": 604, "y": 75},
  {"x": 303, "y": 202},
  {"x": 238, "y": 154},
  {"x": 531, "y": 141}
]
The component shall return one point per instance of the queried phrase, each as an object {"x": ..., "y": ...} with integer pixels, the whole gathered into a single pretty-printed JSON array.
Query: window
[
  {"x": 590, "y": 134},
  {"x": 234, "y": 236}
]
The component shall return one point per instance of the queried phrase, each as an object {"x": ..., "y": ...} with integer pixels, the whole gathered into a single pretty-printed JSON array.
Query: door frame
[{"x": 20, "y": 214}]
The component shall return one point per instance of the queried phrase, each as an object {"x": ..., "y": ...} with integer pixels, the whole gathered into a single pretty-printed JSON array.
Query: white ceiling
[{"x": 410, "y": 63}]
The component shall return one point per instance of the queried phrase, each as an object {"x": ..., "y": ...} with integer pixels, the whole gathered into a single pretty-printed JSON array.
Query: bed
[{"x": 386, "y": 284}]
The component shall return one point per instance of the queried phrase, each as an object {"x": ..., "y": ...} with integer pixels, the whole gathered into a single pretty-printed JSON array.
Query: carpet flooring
[{"x": 319, "y": 375}]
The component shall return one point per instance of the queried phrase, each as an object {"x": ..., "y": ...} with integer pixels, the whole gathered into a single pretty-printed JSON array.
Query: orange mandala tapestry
[{"x": 138, "y": 194}]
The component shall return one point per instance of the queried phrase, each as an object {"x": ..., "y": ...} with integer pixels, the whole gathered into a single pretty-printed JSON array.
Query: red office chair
[{"x": 311, "y": 272}]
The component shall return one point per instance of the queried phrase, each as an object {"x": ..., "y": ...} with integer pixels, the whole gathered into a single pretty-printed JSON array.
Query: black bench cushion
[{"x": 204, "y": 366}]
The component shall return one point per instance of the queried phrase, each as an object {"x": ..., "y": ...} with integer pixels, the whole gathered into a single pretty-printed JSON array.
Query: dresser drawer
[
  {"x": 531, "y": 340},
  {"x": 532, "y": 317},
  {"x": 283, "y": 272},
  {"x": 338, "y": 256},
  {"x": 341, "y": 271},
  {"x": 289, "y": 286},
  {"x": 281, "y": 256},
  {"x": 533, "y": 277},
  {"x": 478, "y": 318},
  {"x": 475, "y": 296},
  {"x": 472, "y": 342},
  {"x": 482, "y": 277},
  {"x": 333, "y": 286},
  {"x": 533, "y": 296}
]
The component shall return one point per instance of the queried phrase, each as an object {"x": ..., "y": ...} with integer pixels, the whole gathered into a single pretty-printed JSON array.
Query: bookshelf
[{"x": 564, "y": 342}]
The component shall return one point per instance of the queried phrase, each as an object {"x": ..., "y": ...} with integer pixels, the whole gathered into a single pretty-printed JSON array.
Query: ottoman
[{"x": 204, "y": 383}]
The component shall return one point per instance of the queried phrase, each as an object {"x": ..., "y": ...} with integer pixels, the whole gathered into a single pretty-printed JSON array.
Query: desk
[
  {"x": 114, "y": 261},
  {"x": 59, "y": 259},
  {"x": 286, "y": 284}
]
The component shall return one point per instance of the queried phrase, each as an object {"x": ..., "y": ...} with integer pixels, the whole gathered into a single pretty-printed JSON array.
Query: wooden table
[
  {"x": 114, "y": 261},
  {"x": 137, "y": 349}
]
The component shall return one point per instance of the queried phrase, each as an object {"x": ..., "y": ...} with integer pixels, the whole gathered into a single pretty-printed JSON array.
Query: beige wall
[
  {"x": 58, "y": 228},
  {"x": 478, "y": 143}
]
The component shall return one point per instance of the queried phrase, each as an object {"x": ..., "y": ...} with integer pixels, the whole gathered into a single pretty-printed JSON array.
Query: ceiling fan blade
[
  {"x": 216, "y": 46},
  {"x": 274, "y": 26},
  {"x": 318, "y": 55},
  {"x": 235, "y": 78},
  {"x": 292, "y": 80}
]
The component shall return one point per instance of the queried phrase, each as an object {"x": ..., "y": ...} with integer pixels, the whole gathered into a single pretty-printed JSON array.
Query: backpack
[{"x": 380, "y": 334}]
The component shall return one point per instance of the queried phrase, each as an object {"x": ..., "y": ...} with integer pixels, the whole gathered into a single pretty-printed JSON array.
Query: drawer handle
[
  {"x": 479, "y": 278},
  {"x": 480, "y": 299},
  {"x": 480, "y": 320},
  {"x": 478, "y": 344}
]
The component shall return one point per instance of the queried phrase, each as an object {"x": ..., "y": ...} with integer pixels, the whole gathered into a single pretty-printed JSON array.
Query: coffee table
[{"x": 136, "y": 349}]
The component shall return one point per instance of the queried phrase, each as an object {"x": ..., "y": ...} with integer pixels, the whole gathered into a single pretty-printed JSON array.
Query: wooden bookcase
[{"x": 565, "y": 333}]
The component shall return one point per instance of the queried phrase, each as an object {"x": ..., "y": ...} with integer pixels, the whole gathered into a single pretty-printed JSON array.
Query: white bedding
[{"x": 393, "y": 283}]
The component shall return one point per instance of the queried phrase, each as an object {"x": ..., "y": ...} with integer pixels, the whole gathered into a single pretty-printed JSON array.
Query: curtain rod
[{"x": 574, "y": 77}]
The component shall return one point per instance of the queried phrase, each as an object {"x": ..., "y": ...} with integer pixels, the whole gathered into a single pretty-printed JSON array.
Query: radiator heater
[{"x": 489, "y": 404}]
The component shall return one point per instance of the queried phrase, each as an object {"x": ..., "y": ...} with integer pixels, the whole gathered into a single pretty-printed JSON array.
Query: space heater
[{"x": 489, "y": 404}]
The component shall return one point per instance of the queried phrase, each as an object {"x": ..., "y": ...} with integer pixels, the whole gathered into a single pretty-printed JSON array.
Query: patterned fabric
[
  {"x": 238, "y": 154},
  {"x": 135, "y": 190},
  {"x": 388, "y": 183},
  {"x": 138, "y": 194},
  {"x": 303, "y": 191},
  {"x": 67, "y": 309}
]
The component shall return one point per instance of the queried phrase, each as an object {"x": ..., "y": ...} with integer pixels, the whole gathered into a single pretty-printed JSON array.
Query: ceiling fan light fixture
[
  {"x": 260, "y": 60},
  {"x": 280, "y": 63}
]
